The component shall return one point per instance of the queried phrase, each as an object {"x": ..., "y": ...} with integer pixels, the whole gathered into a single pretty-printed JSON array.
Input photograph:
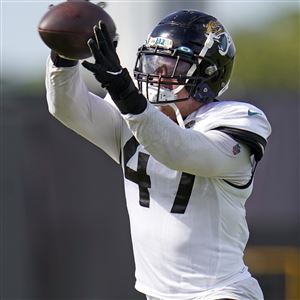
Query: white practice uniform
[{"x": 187, "y": 215}]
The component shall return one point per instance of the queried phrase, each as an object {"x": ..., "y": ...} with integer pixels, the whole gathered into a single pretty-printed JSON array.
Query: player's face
[
  {"x": 164, "y": 65},
  {"x": 165, "y": 70},
  {"x": 168, "y": 67}
]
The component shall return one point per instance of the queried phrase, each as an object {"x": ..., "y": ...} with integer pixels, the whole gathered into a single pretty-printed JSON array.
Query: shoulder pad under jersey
[{"x": 242, "y": 121}]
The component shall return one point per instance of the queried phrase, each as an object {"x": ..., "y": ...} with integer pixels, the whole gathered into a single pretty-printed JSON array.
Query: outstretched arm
[{"x": 87, "y": 114}]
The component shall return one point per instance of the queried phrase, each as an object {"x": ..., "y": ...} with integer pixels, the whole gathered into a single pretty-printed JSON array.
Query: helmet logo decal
[
  {"x": 224, "y": 42},
  {"x": 214, "y": 27},
  {"x": 220, "y": 36},
  {"x": 160, "y": 42}
]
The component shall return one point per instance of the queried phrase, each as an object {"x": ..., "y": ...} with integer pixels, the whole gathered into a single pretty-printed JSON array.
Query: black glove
[
  {"x": 109, "y": 72},
  {"x": 59, "y": 61}
]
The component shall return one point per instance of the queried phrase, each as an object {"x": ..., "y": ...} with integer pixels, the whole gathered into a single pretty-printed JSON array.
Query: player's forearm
[
  {"x": 185, "y": 150},
  {"x": 66, "y": 93},
  {"x": 85, "y": 113}
]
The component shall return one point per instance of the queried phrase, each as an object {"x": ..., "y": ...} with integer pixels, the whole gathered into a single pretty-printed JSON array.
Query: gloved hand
[
  {"x": 59, "y": 61},
  {"x": 109, "y": 72}
]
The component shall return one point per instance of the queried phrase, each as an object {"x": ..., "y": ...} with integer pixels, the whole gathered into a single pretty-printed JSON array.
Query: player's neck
[
  {"x": 188, "y": 106},
  {"x": 185, "y": 107}
]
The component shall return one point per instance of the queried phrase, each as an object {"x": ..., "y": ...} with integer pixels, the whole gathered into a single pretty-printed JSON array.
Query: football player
[{"x": 188, "y": 159}]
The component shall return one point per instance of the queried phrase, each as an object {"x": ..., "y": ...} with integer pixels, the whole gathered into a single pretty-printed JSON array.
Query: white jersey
[{"x": 187, "y": 216}]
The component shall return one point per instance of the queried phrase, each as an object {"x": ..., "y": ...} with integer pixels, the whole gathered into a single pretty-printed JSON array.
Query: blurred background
[{"x": 64, "y": 224}]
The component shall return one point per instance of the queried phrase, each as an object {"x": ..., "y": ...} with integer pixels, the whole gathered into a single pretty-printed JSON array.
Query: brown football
[{"x": 66, "y": 27}]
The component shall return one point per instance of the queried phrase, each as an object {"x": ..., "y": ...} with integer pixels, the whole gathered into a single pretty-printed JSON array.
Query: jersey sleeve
[
  {"x": 87, "y": 114},
  {"x": 209, "y": 154}
]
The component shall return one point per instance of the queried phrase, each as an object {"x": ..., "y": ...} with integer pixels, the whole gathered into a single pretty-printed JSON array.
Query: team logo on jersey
[
  {"x": 221, "y": 37},
  {"x": 252, "y": 113},
  {"x": 160, "y": 42},
  {"x": 236, "y": 149}
]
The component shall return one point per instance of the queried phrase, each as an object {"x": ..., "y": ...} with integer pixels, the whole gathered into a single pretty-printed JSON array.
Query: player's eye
[{"x": 164, "y": 65}]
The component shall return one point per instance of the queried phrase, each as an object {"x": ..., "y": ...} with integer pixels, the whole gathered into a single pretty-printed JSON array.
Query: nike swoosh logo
[{"x": 252, "y": 113}]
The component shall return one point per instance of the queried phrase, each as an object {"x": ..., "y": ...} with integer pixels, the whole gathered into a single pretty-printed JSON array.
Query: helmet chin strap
[
  {"x": 175, "y": 108},
  {"x": 178, "y": 115},
  {"x": 165, "y": 95}
]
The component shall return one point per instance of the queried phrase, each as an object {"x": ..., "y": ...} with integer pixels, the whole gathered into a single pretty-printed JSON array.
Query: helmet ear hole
[
  {"x": 221, "y": 73},
  {"x": 210, "y": 70}
]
